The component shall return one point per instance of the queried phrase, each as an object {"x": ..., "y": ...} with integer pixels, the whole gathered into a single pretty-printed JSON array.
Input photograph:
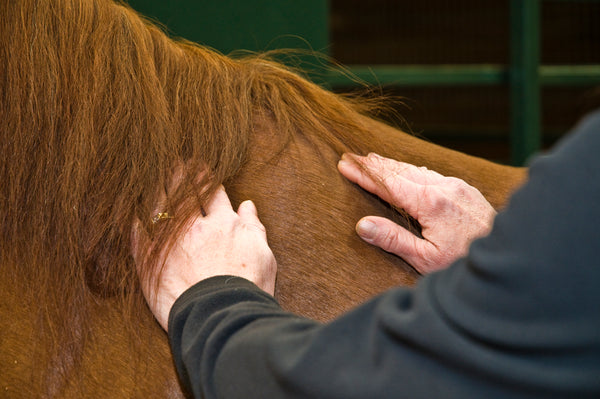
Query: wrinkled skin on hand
[
  {"x": 452, "y": 213},
  {"x": 221, "y": 242}
]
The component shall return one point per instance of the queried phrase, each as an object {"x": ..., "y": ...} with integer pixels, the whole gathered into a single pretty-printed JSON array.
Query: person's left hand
[
  {"x": 452, "y": 213},
  {"x": 221, "y": 243}
]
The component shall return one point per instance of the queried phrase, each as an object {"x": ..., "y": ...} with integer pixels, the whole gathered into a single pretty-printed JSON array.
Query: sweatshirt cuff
[{"x": 210, "y": 286}]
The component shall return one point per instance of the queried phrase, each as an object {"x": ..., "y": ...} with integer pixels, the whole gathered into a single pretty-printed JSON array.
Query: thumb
[
  {"x": 247, "y": 209},
  {"x": 248, "y": 213},
  {"x": 395, "y": 239}
]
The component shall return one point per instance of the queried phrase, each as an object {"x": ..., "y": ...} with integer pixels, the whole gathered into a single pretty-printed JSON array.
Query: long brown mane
[{"x": 97, "y": 108}]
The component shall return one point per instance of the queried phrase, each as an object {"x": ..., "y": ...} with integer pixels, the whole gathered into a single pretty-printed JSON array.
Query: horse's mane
[{"x": 97, "y": 108}]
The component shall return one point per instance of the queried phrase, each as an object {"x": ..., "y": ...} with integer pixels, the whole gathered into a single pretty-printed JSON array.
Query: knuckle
[
  {"x": 389, "y": 239},
  {"x": 456, "y": 183},
  {"x": 460, "y": 188},
  {"x": 434, "y": 197}
]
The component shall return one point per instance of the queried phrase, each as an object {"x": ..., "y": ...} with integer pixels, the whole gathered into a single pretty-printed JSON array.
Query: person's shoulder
[
  {"x": 590, "y": 121},
  {"x": 581, "y": 144}
]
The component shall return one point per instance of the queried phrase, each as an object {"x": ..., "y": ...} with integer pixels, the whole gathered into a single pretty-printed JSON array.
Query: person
[{"x": 516, "y": 314}]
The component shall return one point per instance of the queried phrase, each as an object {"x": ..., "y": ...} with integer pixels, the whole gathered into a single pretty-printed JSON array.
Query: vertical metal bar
[{"x": 524, "y": 79}]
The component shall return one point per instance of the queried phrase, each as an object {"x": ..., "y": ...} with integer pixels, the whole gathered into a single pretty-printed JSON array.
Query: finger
[
  {"x": 248, "y": 213},
  {"x": 417, "y": 174},
  {"x": 247, "y": 210},
  {"x": 383, "y": 178},
  {"x": 349, "y": 167},
  {"x": 395, "y": 239},
  {"x": 135, "y": 241},
  {"x": 171, "y": 186},
  {"x": 219, "y": 202}
]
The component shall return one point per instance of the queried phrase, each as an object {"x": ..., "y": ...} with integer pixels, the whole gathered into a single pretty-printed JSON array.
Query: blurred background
[{"x": 500, "y": 79}]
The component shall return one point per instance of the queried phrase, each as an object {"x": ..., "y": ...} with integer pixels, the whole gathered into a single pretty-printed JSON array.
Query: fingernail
[
  {"x": 249, "y": 206},
  {"x": 366, "y": 229},
  {"x": 348, "y": 157}
]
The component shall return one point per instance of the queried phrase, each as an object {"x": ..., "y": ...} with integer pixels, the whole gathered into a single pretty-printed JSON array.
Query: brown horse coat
[{"x": 97, "y": 107}]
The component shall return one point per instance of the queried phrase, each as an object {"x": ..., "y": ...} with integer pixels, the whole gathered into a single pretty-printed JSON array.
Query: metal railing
[
  {"x": 524, "y": 76},
  {"x": 232, "y": 24}
]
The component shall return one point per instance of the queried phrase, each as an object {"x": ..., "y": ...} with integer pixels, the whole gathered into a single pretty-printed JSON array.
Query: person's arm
[{"x": 517, "y": 317}]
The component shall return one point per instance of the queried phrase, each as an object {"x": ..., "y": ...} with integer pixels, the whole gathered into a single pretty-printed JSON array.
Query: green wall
[{"x": 256, "y": 25}]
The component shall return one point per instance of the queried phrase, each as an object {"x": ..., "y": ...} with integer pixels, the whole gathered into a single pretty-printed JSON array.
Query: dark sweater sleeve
[{"x": 519, "y": 317}]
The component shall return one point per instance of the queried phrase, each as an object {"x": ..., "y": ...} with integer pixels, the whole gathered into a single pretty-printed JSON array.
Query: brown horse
[{"x": 97, "y": 107}]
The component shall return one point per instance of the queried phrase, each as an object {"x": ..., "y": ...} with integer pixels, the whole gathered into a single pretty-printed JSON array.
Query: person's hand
[
  {"x": 221, "y": 243},
  {"x": 451, "y": 213}
]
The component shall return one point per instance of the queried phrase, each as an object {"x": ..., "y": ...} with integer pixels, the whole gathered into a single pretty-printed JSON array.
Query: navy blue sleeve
[{"x": 519, "y": 317}]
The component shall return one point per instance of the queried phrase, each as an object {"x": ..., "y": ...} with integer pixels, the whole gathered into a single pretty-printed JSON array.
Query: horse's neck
[
  {"x": 310, "y": 212},
  {"x": 496, "y": 182},
  {"x": 114, "y": 363}
]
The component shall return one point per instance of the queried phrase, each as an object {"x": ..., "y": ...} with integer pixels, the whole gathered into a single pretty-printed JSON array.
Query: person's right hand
[
  {"x": 451, "y": 213},
  {"x": 221, "y": 242}
]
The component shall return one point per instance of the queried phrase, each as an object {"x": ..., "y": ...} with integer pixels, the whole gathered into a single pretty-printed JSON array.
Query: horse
[{"x": 99, "y": 107}]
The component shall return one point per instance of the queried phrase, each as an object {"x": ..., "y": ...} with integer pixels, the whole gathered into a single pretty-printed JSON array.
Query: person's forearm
[
  {"x": 231, "y": 340},
  {"x": 512, "y": 319},
  {"x": 208, "y": 316}
]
